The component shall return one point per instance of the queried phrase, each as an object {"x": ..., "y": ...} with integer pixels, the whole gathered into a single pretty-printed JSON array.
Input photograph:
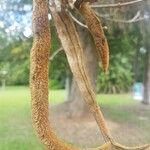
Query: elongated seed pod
[
  {"x": 96, "y": 30},
  {"x": 39, "y": 77},
  {"x": 39, "y": 59},
  {"x": 74, "y": 52}
]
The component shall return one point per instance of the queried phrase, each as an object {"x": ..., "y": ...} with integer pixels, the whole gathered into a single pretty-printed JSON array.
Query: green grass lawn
[{"x": 16, "y": 131}]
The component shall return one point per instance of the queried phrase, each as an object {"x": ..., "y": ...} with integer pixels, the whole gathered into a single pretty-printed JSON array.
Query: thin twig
[
  {"x": 136, "y": 16},
  {"x": 133, "y": 20},
  {"x": 77, "y": 21},
  {"x": 80, "y": 23},
  {"x": 55, "y": 53},
  {"x": 116, "y": 5}
]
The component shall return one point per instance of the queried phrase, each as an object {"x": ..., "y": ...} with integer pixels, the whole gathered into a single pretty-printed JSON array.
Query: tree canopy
[{"x": 127, "y": 49}]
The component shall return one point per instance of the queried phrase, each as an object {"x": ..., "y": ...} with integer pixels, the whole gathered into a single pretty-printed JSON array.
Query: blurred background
[{"x": 123, "y": 93}]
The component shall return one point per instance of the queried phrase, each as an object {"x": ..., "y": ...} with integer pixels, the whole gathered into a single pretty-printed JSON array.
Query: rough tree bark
[{"x": 77, "y": 107}]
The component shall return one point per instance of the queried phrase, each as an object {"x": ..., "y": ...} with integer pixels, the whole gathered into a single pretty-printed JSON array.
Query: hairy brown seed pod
[
  {"x": 78, "y": 3},
  {"x": 96, "y": 29},
  {"x": 39, "y": 78}
]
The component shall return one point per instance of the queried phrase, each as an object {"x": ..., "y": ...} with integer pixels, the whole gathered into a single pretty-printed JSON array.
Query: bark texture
[{"x": 76, "y": 106}]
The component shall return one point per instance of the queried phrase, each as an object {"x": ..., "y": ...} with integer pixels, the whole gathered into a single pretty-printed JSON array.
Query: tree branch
[
  {"x": 136, "y": 18},
  {"x": 117, "y": 5},
  {"x": 55, "y": 53},
  {"x": 82, "y": 24},
  {"x": 77, "y": 21}
]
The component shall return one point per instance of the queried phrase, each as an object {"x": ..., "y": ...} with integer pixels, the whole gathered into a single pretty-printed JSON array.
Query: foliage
[
  {"x": 16, "y": 57},
  {"x": 120, "y": 75},
  {"x": 59, "y": 65},
  {"x": 125, "y": 41}
]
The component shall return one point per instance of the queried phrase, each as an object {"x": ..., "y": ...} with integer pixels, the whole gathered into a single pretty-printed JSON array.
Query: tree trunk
[
  {"x": 136, "y": 61},
  {"x": 3, "y": 84},
  {"x": 77, "y": 107},
  {"x": 146, "y": 99}
]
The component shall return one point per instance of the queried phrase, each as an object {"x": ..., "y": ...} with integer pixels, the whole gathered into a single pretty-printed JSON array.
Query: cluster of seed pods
[{"x": 74, "y": 52}]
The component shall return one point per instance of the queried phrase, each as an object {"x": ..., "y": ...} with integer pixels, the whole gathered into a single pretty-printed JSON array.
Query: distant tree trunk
[
  {"x": 3, "y": 84},
  {"x": 68, "y": 83},
  {"x": 136, "y": 61},
  {"x": 77, "y": 107},
  {"x": 146, "y": 99}
]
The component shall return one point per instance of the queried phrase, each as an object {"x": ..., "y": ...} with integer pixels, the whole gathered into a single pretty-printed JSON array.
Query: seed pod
[{"x": 96, "y": 29}]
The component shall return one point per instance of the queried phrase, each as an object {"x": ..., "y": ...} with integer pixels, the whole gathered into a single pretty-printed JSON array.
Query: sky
[{"x": 15, "y": 18}]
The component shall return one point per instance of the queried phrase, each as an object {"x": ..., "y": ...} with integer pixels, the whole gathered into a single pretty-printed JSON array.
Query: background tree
[
  {"x": 125, "y": 36},
  {"x": 146, "y": 99},
  {"x": 123, "y": 48}
]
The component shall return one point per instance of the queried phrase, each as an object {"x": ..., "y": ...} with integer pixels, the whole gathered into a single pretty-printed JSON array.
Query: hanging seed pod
[
  {"x": 39, "y": 78},
  {"x": 39, "y": 58},
  {"x": 96, "y": 29}
]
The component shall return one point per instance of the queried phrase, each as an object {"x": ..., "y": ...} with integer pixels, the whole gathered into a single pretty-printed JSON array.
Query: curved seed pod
[
  {"x": 96, "y": 29},
  {"x": 74, "y": 52},
  {"x": 39, "y": 78},
  {"x": 71, "y": 44}
]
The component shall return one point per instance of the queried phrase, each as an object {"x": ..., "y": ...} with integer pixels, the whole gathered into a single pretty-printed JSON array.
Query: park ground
[{"x": 128, "y": 121}]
